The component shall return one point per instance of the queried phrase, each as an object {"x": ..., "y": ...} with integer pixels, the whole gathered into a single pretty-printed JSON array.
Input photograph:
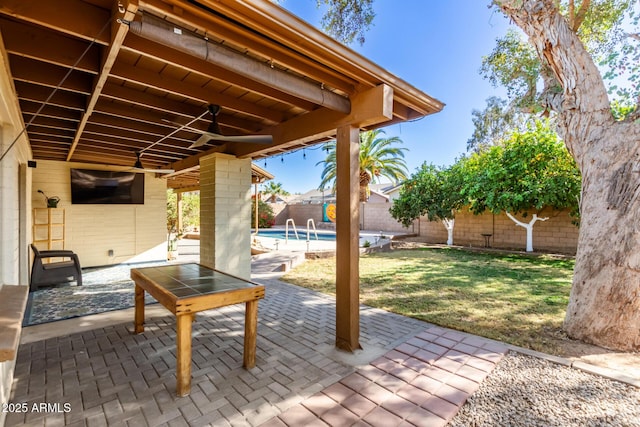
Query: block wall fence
[{"x": 557, "y": 234}]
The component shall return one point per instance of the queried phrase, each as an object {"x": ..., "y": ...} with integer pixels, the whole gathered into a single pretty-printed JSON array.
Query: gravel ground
[{"x": 526, "y": 391}]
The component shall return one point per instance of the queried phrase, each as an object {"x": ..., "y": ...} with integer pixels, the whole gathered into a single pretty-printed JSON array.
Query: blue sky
[{"x": 437, "y": 46}]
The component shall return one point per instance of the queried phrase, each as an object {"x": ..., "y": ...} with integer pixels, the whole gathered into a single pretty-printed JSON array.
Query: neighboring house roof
[
  {"x": 275, "y": 198},
  {"x": 380, "y": 193},
  {"x": 314, "y": 197}
]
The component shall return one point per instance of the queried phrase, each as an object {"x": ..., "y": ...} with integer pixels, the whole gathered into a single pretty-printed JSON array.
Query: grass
[{"x": 512, "y": 298}]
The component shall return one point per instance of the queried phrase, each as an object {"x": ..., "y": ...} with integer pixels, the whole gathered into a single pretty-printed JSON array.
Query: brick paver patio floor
[{"x": 409, "y": 373}]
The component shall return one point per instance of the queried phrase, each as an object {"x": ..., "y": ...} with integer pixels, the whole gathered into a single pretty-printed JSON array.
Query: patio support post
[
  {"x": 225, "y": 214},
  {"x": 347, "y": 239},
  {"x": 179, "y": 206}
]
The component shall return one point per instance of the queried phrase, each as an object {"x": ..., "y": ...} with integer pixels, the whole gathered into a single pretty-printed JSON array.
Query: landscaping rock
[{"x": 527, "y": 391}]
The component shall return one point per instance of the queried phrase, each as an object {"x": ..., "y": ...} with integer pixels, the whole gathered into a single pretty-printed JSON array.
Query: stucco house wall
[{"x": 135, "y": 233}]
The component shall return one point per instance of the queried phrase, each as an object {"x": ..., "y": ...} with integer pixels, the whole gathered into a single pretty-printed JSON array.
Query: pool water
[{"x": 302, "y": 235}]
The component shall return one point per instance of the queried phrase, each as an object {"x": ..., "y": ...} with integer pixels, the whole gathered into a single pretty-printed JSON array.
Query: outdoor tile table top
[{"x": 185, "y": 289}]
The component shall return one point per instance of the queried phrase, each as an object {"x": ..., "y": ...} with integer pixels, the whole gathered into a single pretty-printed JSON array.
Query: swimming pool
[{"x": 302, "y": 235}]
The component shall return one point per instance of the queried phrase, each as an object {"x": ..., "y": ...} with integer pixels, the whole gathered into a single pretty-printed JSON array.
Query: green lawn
[{"x": 512, "y": 298}]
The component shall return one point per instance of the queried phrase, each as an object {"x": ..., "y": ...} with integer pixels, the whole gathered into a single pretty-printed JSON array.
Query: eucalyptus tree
[{"x": 604, "y": 306}]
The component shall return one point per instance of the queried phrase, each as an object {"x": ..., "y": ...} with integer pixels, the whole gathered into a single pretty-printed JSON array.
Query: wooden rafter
[{"x": 118, "y": 32}]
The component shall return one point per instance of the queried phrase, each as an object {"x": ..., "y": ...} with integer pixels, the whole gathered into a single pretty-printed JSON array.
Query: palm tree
[
  {"x": 275, "y": 188},
  {"x": 378, "y": 158}
]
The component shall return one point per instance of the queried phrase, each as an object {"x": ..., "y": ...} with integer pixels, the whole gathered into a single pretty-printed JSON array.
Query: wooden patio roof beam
[
  {"x": 118, "y": 32},
  {"x": 275, "y": 22},
  {"x": 162, "y": 32},
  {"x": 192, "y": 64},
  {"x": 227, "y": 30},
  {"x": 371, "y": 107}
]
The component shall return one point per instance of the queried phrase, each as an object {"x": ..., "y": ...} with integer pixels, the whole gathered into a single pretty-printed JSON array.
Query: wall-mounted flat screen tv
[{"x": 106, "y": 187}]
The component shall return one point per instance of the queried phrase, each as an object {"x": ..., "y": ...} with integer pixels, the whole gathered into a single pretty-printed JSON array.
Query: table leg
[
  {"x": 250, "y": 333},
  {"x": 139, "y": 310},
  {"x": 183, "y": 354}
]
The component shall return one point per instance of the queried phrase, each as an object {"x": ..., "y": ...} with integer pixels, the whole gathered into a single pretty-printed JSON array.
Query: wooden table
[{"x": 185, "y": 289}]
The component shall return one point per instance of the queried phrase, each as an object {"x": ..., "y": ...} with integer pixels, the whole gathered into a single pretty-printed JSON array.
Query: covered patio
[
  {"x": 187, "y": 93},
  {"x": 109, "y": 376}
]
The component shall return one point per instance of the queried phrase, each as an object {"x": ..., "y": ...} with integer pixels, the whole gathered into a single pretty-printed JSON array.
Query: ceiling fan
[
  {"x": 137, "y": 167},
  {"x": 213, "y": 132}
]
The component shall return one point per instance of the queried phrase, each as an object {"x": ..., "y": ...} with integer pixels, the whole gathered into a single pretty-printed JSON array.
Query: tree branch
[
  {"x": 585, "y": 99},
  {"x": 534, "y": 219},
  {"x": 579, "y": 17}
]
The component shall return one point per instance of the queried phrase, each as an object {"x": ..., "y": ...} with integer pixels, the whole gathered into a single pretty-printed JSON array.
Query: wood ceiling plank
[
  {"x": 34, "y": 139},
  {"x": 41, "y": 73},
  {"x": 130, "y": 154},
  {"x": 29, "y": 109},
  {"x": 124, "y": 134},
  {"x": 155, "y": 131},
  {"x": 39, "y": 94},
  {"x": 73, "y": 17},
  {"x": 46, "y": 46},
  {"x": 49, "y": 123},
  {"x": 147, "y": 100},
  {"x": 122, "y": 111},
  {"x": 157, "y": 81}
]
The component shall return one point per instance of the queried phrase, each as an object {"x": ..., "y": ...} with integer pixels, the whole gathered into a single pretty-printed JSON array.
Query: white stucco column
[{"x": 225, "y": 214}]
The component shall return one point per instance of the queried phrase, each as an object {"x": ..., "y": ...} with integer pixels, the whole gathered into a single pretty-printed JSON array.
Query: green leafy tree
[
  {"x": 190, "y": 211},
  {"x": 530, "y": 171},
  {"x": 433, "y": 191},
  {"x": 379, "y": 157}
]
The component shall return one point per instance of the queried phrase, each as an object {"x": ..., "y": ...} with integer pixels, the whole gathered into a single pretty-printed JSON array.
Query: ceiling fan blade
[
  {"x": 202, "y": 140},
  {"x": 208, "y": 136}
]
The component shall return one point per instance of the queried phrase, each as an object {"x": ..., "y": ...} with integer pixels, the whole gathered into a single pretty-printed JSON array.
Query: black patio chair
[{"x": 57, "y": 272}]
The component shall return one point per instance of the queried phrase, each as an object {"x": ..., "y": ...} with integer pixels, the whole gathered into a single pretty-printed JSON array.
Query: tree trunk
[
  {"x": 527, "y": 226},
  {"x": 449, "y": 224},
  {"x": 604, "y": 306},
  {"x": 365, "y": 179}
]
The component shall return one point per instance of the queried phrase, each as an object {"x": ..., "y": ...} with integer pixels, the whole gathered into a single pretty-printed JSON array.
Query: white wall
[
  {"x": 14, "y": 182},
  {"x": 135, "y": 233}
]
